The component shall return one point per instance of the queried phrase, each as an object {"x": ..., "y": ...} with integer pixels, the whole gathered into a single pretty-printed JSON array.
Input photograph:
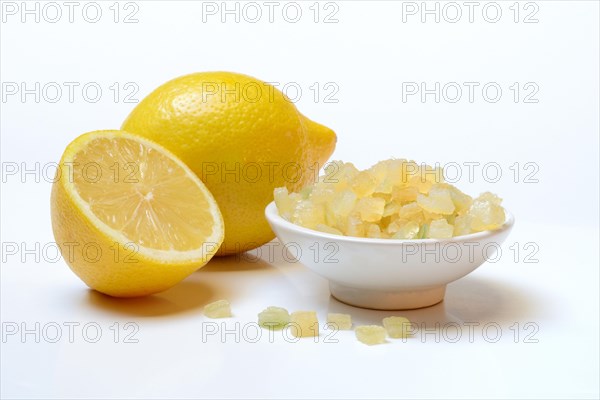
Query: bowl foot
[{"x": 388, "y": 299}]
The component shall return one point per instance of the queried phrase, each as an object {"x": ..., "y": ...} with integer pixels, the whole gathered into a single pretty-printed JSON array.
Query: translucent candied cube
[
  {"x": 273, "y": 317},
  {"x": 336, "y": 171},
  {"x": 462, "y": 225},
  {"x": 328, "y": 229},
  {"x": 462, "y": 202},
  {"x": 305, "y": 192},
  {"x": 364, "y": 184},
  {"x": 394, "y": 172},
  {"x": 340, "y": 321},
  {"x": 409, "y": 230},
  {"x": 423, "y": 231},
  {"x": 393, "y": 226},
  {"x": 308, "y": 214},
  {"x": 347, "y": 172},
  {"x": 421, "y": 185},
  {"x": 409, "y": 210},
  {"x": 370, "y": 208},
  {"x": 322, "y": 193},
  {"x": 373, "y": 231},
  {"x": 431, "y": 174},
  {"x": 430, "y": 216},
  {"x": 491, "y": 197},
  {"x": 391, "y": 171},
  {"x": 354, "y": 226},
  {"x": 486, "y": 213},
  {"x": 285, "y": 205},
  {"x": 370, "y": 334},
  {"x": 379, "y": 170},
  {"x": 440, "y": 229},
  {"x": 410, "y": 169},
  {"x": 437, "y": 201},
  {"x": 397, "y": 327},
  {"x": 387, "y": 197},
  {"x": 218, "y": 309},
  {"x": 405, "y": 194},
  {"x": 391, "y": 209},
  {"x": 343, "y": 203},
  {"x": 304, "y": 323}
]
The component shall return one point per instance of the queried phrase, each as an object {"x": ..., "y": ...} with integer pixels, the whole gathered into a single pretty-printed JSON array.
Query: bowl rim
[{"x": 273, "y": 217}]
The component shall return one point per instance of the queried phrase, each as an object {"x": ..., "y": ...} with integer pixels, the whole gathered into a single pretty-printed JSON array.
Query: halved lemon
[{"x": 130, "y": 218}]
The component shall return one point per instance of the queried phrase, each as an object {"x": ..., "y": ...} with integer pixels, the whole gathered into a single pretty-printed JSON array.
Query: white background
[{"x": 367, "y": 55}]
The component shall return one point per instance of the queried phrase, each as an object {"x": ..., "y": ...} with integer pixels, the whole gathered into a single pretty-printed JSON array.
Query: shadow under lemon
[
  {"x": 235, "y": 263},
  {"x": 192, "y": 293},
  {"x": 188, "y": 295}
]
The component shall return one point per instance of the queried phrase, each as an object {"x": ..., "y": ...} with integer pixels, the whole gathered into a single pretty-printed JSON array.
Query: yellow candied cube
[
  {"x": 354, "y": 226},
  {"x": 273, "y": 317},
  {"x": 370, "y": 334},
  {"x": 218, "y": 309},
  {"x": 379, "y": 170},
  {"x": 410, "y": 210},
  {"x": 388, "y": 173},
  {"x": 440, "y": 229},
  {"x": 462, "y": 225},
  {"x": 409, "y": 170},
  {"x": 304, "y": 324},
  {"x": 431, "y": 174},
  {"x": 364, "y": 184},
  {"x": 405, "y": 194},
  {"x": 486, "y": 213},
  {"x": 409, "y": 230},
  {"x": 308, "y": 214},
  {"x": 370, "y": 208},
  {"x": 284, "y": 201},
  {"x": 397, "y": 327},
  {"x": 322, "y": 193},
  {"x": 342, "y": 204},
  {"x": 328, "y": 229},
  {"x": 391, "y": 209},
  {"x": 340, "y": 321},
  {"x": 373, "y": 231},
  {"x": 437, "y": 201},
  {"x": 394, "y": 172},
  {"x": 393, "y": 226},
  {"x": 346, "y": 172},
  {"x": 462, "y": 202}
]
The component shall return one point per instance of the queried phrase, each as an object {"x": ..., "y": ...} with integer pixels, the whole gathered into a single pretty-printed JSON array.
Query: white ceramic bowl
[{"x": 388, "y": 274}]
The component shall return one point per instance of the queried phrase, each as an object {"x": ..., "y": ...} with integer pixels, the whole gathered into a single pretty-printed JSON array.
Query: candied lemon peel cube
[
  {"x": 304, "y": 324},
  {"x": 218, "y": 309},
  {"x": 274, "y": 317},
  {"x": 397, "y": 327},
  {"x": 394, "y": 199},
  {"x": 370, "y": 334}
]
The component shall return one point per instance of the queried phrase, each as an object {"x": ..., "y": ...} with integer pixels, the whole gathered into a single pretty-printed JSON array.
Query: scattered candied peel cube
[
  {"x": 397, "y": 327},
  {"x": 274, "y": 317},
  {"x": 218, "y": 309},
  {"x": 370, "y": 334},
  {"x": 304, "y": 323},
  {"x": 394, "y": 199}
]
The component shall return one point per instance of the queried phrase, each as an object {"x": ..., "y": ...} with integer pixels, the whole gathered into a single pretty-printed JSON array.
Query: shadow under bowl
[{"x": 388, "y": 274}]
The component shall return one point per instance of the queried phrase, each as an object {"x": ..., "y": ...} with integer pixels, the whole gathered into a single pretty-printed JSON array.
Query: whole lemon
[{"x": 242, "y": 137}]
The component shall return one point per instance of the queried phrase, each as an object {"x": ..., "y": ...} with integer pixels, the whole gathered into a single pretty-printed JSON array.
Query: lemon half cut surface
[{"x": 130, "y": 218}]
